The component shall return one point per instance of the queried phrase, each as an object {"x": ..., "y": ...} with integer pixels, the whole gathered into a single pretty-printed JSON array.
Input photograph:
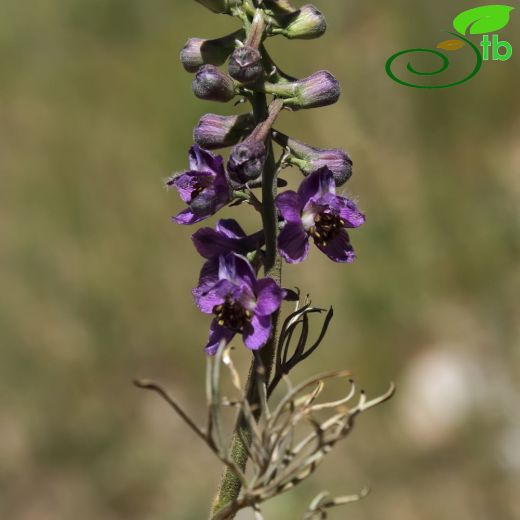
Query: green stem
[{"x": 229, "y": 489}]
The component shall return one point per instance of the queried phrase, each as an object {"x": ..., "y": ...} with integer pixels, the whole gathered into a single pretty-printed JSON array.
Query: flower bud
[
  {"x": 215, "y": 131},
  {"x": 247, "y": 159},
  {"x": 218, "y": 6},
  {"x": 307, "y": 23},
  {"x": 318, "y": 90},
  {"x": 212, "y": 84},
  {"x": 245, "y": 65},
  {"x": 198, "y": 52},
  {"x": 310, "y": 159}
]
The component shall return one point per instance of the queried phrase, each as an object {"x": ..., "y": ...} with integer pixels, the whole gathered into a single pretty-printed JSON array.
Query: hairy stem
[{"x": 262, "y": 365}]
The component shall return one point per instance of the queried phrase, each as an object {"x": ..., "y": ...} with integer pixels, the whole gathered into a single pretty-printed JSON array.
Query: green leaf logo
[{"x": 482, "y": 20}]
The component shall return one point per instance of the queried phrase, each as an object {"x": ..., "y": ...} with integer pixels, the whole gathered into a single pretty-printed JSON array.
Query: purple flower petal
[
  {"x": 345, "y": 208},
  {"x": 211, "y": 244},
  {"x": 339, "y": 249},
  {"x": 317, "y": 184},
  {"x": 242, "y": 243},
  {"x": 269, "y": 297},
  {"x": 208, "y": 299},
  {"x": 290, "y": 206},
  {"x": 257, "y": 332},
  {"x": 187, "y": 182},
  {"x": 293, "y": 243},
  {"x": 223, "y": 190},
  {"x": 237, "y": 269},
  {"x": 217, "y": 334},
  {"x": 203, "y": 161},
  {"x": 187, "y": 217},
  {"x": 230, "y": 228},
  {"x": 208, "y": 274}
]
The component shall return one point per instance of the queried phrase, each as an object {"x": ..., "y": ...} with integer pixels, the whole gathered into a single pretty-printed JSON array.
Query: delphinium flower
[
  {"x": 315, "y": 211},
  {"x": 227, "y": 237},
  {"x": 241, "y": 303},
  {"x": 204, "y": 187}
]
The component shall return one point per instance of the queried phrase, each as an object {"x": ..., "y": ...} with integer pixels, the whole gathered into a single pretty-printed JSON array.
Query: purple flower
[
  {"x": 227, "y": 237},
  {"x": 240, "y": 302},
  {"x": 204, "y": 187},
  {"x": 316, "y": 211}
]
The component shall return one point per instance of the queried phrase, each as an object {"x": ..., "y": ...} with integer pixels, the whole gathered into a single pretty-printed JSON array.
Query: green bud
[
  {"x": 317, "y": 90},
  {"x": 307, "y": 23}
]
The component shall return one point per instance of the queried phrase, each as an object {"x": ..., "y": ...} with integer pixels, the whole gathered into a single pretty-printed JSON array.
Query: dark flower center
[
  {"x": 197, "y": 190},
  {"x": 232, "y": 315},
  {"x": 326, "y": 228}
]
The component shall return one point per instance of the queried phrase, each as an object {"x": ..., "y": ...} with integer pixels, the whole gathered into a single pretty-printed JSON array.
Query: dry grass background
[{"x": 95, "y": 111}]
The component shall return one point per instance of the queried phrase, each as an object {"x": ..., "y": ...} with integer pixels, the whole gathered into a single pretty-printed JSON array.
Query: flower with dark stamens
[
  {"x": 204, "y": 187},
  {"x": 212, "y": 84},
  {"x": 306, "y": 23},
  {"x": 215, "y": 131},
  {"x": 310, "y": 159},
  {"x": 316, "y": 212},
  {"x": 241, "y": 304},
  {"x": 318, "y": 90},
  {"x": 198, "y": 52},
  {"x": 227, "y": 237}
]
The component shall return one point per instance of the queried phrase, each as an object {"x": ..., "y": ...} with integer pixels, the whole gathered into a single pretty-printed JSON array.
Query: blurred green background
[{"x": 95, "y": 111}]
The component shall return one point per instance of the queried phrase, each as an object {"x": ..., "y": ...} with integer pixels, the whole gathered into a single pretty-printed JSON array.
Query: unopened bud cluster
[{"x": 250, "y": 69}]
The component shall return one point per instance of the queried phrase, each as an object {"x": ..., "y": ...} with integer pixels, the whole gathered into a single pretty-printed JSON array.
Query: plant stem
[{"x": 229, "y": 489}]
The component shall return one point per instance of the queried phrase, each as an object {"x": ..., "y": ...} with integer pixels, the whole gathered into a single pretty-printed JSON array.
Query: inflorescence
[
  {"x": 231, "y": 289},
  {"x": 228, "y": 287}
]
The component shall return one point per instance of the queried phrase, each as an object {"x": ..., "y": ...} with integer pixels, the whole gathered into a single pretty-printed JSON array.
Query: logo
[{"x": 478, "y": 21}]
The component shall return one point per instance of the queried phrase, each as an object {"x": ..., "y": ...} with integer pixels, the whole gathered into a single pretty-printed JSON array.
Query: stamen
[
  {"x": 231, "y": 314},
  {"x": 326, "y": 229}
]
